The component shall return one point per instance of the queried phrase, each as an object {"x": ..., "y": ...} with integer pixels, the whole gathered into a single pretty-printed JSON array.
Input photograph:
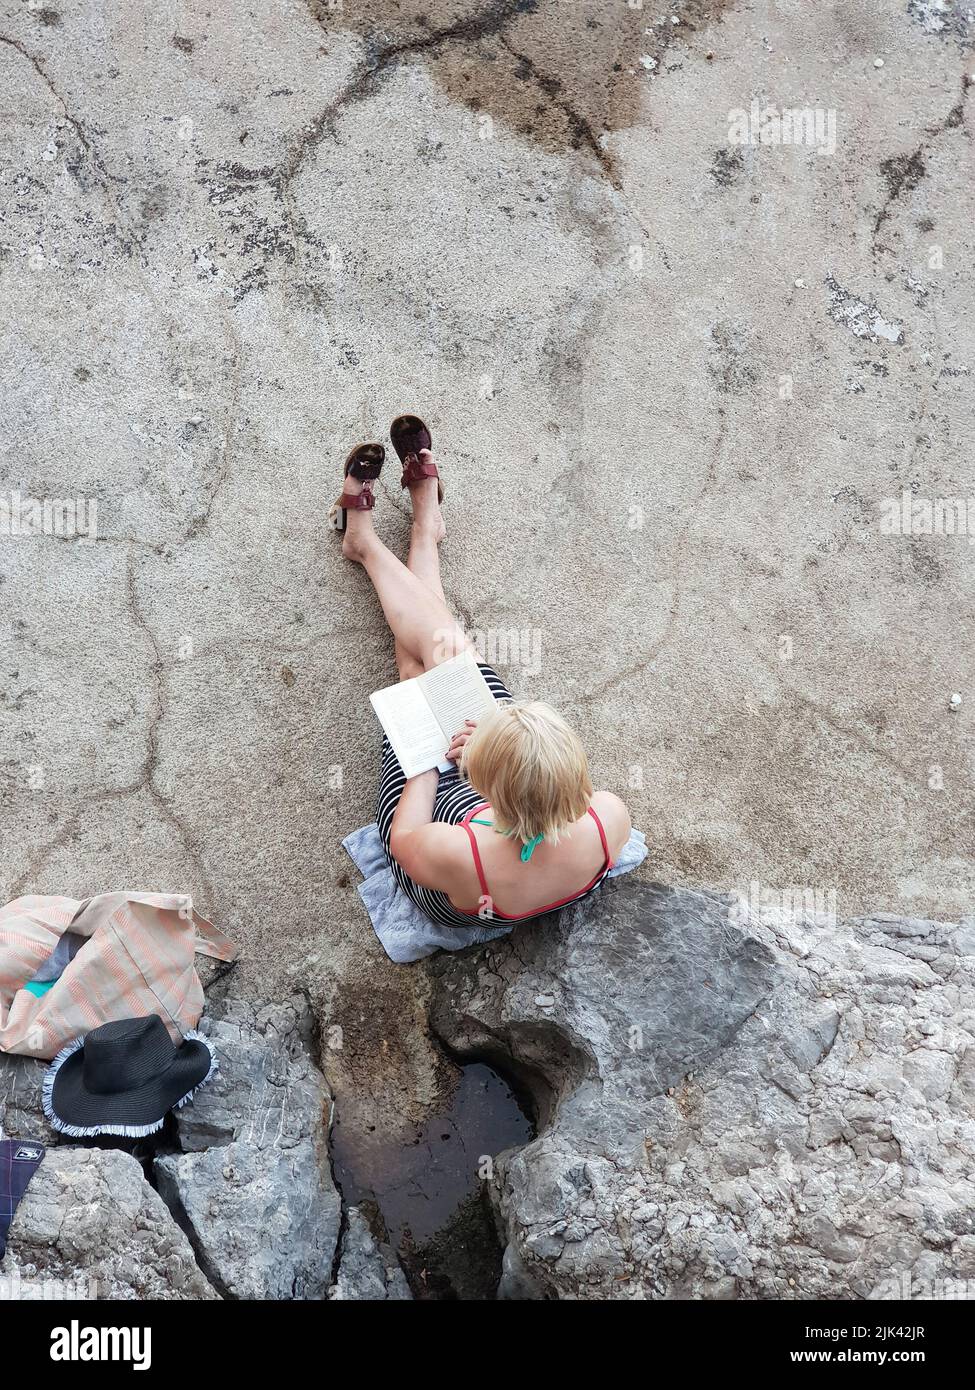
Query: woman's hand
[{"x": 459, "y": 740}]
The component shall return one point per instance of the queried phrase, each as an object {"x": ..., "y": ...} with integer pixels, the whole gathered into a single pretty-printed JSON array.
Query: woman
[{"x": 518, "y": 829}]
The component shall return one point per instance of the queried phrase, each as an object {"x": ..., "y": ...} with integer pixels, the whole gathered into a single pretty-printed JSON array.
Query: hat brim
[{"x": 73, "y": 1109}]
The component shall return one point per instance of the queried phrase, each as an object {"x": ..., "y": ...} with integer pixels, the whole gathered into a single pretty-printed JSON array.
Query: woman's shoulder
[
  {"x": 615, "y": 818},
  {"x": 433, "y": 854}
]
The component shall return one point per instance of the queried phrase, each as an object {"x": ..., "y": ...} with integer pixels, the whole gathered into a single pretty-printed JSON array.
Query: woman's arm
[
  {"x": 415, "y": 806},
  {"x": 616, "y": 820},
  {"x": 422, "y": 848}
]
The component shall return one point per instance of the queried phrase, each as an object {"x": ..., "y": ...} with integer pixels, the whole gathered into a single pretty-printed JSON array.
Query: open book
[{"x": 421, "y": 716}]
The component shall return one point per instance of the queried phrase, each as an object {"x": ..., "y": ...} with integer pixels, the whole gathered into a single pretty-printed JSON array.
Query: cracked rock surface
[
  {"x": 255, "y": 1187},
  {"x": 249, "y": 1183},
  {"x": 732, "y": 1106},
  {"x": 207, "y": 296},
  {"x": 91, "y": 1222},
  {"x": 21, "y": 1110},
  {"x": 367, "y": 1269},
  {"x": 671, "y": 380}
]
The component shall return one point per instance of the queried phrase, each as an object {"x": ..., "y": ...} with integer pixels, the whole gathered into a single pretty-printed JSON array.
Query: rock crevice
[{"x": 244, "y": 1206}]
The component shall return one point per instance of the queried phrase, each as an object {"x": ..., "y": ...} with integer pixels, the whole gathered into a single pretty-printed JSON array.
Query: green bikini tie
[{"x": 527, "y": 849}]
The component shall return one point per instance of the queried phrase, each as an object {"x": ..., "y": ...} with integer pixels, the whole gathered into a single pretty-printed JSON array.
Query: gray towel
[
  {"x": 405, "y": 932},
  {"x": 60, "y": 958}
]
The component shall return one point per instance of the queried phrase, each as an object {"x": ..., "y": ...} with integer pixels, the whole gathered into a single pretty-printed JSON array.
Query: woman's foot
[
  {"x": 427, "y": 516},
  {"x": 413, "y": 442},
  {"x": 358, "y": 525},
  {"x": 350, "y": 514}
]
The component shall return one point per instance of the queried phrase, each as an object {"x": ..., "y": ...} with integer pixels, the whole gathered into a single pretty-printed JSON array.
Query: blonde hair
[{"x": 531, "y": 767}]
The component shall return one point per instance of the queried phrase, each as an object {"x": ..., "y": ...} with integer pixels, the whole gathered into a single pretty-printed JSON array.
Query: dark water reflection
[{"x": 430, "y": 1188}]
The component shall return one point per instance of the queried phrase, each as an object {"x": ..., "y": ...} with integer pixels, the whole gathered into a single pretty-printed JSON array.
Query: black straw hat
[{"x": 122, "y": 1078}]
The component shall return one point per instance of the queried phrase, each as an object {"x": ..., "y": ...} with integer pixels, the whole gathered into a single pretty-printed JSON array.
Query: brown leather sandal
[
  {"x": 410, "y": 437},
  {"x": 365, "y": 463}
]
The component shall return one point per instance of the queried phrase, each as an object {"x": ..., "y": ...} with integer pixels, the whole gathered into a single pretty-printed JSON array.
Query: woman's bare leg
[
  {"x": 427, "y": 533},
  {"x": 415, "y": 610},
  {"x": 423, "y": 560}
]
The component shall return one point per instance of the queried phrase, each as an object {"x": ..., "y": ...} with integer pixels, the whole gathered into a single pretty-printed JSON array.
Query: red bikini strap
[
  {"x": 602, "y": 836},
  {"x": 466, "y": 823}
]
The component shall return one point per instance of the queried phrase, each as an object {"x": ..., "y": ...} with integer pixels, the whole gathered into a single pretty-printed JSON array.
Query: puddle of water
[{"x": 428, "y": 1184}]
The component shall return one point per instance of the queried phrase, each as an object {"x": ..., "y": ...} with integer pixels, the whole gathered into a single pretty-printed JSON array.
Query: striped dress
[{"x": 455, "y": 803}]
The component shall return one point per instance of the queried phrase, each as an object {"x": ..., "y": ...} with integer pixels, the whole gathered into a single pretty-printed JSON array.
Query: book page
[
  {"x": 410, "y": 726},
  {"x": 456, "y": 691}
]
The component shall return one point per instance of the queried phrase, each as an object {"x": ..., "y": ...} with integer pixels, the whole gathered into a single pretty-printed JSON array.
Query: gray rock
[
  {"x": 21, "y": 1113},
  {"x": 267, "y": 1090},
  {"x": 264, "y": 1222},
  {"x": 254, "y": 1187},
  {"x": 728, "y": 1107},
  {"x": 90, "y": 1226},
  {"x": 368, "y": 1269}
]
